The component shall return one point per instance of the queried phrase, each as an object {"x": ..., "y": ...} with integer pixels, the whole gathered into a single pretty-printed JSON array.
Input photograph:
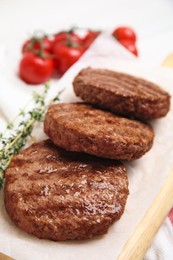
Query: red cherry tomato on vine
[
  {"x": 130, "y": 46},
  {"x": 64, "y": 36},
  {"x": 35, "y": 44},
  {"x": 65, "y": 56},
  {"x": 34, "y": 69},
  {"x": 89, "y": 38},
  {"x": 124, "y": 34}
]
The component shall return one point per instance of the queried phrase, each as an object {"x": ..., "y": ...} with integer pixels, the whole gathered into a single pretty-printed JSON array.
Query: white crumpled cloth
[{"x": 14, "y": 94}]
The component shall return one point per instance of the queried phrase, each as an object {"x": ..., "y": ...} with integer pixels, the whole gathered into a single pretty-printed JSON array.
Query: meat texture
[
  {"x": 122, "y": 94},
  {"x": 82, "y": 128},
  {"x": 61, "y": 195}
]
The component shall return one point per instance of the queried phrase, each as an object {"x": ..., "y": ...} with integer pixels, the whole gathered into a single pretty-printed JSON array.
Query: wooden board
[
  {"x": 141, "y": 239},
  {"x": 168, "y": 62},
  {"x": 5, "y": 257}
]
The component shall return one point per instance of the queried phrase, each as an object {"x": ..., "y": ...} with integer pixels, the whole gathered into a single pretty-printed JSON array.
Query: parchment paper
[{"x": 146, "y": 175}]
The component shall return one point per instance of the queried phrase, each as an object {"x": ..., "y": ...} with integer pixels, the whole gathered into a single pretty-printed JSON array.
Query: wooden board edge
[
  {"x": 137, "y": 245},
  {"x": 5, "y": 257}
]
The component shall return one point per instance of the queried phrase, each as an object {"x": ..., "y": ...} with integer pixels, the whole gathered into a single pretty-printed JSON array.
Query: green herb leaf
[{"x": 19, "y": 134}]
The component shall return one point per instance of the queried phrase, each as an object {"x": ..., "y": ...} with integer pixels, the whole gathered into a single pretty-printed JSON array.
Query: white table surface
[{"x": 152, "y": 20}]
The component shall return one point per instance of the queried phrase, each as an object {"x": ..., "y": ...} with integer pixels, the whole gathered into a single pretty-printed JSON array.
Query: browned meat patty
[
  {"x": 121, "y": 93},
  {"x": 82, "y": 128},
  {"x": 61, "y": 195}
]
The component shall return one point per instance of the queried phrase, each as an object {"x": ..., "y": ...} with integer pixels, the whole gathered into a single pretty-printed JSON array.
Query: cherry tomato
[
  {"x": 130, "y": 46},
  {"x": 89, "y": 38},
  {"x": 63, "y": 36},
  {"x": 35, "y": 44},
  {"x": 34, "y": 69},
  {"x": 66, "y": 55},
  {"x": 124, "y": 34}
]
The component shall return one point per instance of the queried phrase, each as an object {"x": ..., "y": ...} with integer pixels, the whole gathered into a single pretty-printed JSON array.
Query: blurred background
[{"x": 151, "y": 19}]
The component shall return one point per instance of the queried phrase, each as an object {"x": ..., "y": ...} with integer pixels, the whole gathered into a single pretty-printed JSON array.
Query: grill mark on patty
[
  {"x": 132, "y": 87},
  {"x": 82, "y": 199},
  {"x": 122, "y": 94},
  {"x": 123, "y": 77},
  {"x": 82, "y": 128}
]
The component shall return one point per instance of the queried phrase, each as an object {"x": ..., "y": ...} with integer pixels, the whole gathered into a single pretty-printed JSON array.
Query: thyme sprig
[{"x": 16, "y": 136}]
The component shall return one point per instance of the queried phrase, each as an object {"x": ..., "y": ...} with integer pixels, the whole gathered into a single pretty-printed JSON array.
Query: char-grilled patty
[
  {"x": 61, "y": 195},
  {"x": 121, "y": 93},
  {"x": 82, "y": 128}
]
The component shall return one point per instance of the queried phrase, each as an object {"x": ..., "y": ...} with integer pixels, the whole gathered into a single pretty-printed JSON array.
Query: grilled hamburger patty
[
  {"x": 61, "y": 195},
  {"x": 82, "y": 128},
  {"x": 121, "y": 93}
]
